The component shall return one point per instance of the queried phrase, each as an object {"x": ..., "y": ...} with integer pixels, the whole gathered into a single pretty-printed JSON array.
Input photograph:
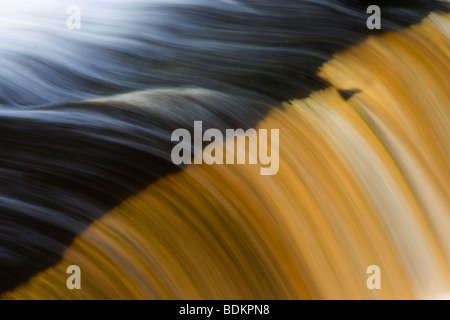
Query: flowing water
[{"x": 86, "y": 176}]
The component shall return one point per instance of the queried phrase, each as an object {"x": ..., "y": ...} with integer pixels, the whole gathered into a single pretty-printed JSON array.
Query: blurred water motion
[{"x": 87, "y": 179}]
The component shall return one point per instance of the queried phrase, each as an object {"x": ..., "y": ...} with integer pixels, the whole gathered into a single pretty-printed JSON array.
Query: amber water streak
[{"x": 361, "y": 182}]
